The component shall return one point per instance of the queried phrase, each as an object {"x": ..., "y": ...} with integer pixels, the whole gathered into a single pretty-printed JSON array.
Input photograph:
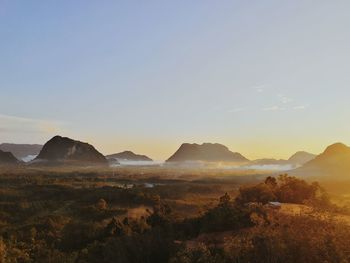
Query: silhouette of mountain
[
  {"x": 21, "y": 151},
  {"x": 335, "y": 160},
  {"x": 297, "y": 159},
  {"x": 63, "y": 150},
  {"x": 129, "y": 156},
  {"x": 206, "y": 152},
  {"x": 301, "y": 157},
  {"x": 7, "y": 158}
]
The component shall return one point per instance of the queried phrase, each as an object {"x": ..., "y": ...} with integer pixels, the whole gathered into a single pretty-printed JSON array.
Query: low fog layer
[
  {"x": 29, "y": 158},
  {"x": 228, "y": 166},
  {"x": 269, "y": 167},
  {"x": 136, "y": 163}
]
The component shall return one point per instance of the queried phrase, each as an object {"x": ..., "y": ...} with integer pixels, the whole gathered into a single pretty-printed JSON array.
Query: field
[{"x": 74, "y": 215}]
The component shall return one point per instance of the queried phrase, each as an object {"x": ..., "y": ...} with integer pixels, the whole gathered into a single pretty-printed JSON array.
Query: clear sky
[{"x": 265, "y": 78}]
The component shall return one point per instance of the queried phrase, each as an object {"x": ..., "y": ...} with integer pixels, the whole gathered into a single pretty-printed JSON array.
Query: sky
[{"x": 265, "y": 78}]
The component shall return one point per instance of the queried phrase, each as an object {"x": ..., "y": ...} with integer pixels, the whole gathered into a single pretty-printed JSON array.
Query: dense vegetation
[{"x": 50, "y": 219}]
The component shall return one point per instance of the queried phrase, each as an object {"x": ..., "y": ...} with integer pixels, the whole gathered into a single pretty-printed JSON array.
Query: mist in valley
[{"x": 174, "y": 131}]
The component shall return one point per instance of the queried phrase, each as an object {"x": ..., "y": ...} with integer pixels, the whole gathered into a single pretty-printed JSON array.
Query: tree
[
  {"x": 115, "y": 227},
  {"x": 101, "y": 204},
  {"x": 286, "y": 189},
  {"x": 260, "y": 193},
  {"x": 271, "y": 181},
  {"x": 294, "y": 190}
]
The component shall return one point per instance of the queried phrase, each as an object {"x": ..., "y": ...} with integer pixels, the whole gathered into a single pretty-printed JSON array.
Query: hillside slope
[
  {"x": 65, "y": 150},
  {"x": 206, "y": 152}
]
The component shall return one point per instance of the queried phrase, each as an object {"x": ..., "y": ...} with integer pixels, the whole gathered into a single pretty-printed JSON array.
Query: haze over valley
[
  {"x": 62, "y": 151},
  {"x": 174, "y": 131}
]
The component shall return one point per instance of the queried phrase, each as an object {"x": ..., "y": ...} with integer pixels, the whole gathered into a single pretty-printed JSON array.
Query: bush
[
  {"x": 285, "y": 189},
  {"x": 291, "y": 239}
]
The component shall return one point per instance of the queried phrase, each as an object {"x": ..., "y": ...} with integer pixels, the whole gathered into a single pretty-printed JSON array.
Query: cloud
[
  {"x": 272, "y": 108},
  {"x": 16, "y": 118},
  {"x": 300, "y": 107},
  {"x": 284, "y": 99},
  {"x": 16, "y": 124}
]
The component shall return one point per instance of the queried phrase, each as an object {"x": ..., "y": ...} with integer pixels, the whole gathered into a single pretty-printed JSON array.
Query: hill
[
  {"x": 335, "y": 160},
  {"x": 7, "y": 158},
  {"x": 297, "y": 159},
  {"x": 63, "y": 150},
  {"x": 206, "y": 152},
  {"x": 129, "y": 156},
  {"x": 301, "y": 157},
  {"x": 21, "y": 151}
]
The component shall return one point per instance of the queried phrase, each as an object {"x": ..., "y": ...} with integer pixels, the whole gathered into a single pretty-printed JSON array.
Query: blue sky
[{"x": 265, "y": 78}]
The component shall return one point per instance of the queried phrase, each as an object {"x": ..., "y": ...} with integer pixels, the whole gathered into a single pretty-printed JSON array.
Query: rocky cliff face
[
  {"x": 207, "y": 152},
  {"x": 65, "y": 150}
]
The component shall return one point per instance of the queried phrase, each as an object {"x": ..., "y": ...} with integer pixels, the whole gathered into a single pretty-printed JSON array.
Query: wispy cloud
[
  {"x": 271, "y": 95},
  {"x": 19, "y": 119},
  {"x": 284, "y": 99},
  {"x": 300, "y": 107},
  {"x": 18, "y": 124},
  {"x": 272, "y": 108}
]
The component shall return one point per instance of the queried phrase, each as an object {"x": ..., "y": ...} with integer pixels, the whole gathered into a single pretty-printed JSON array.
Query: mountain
[
  {"x": 129, "y": 156},
  {"x": 7, "y": 158},
  {"x": 301, "y": 157},
  {"x": 297, "y": 159},
  {"x": 335, "y": 160},
  {"x": 206, "y": 152},
  {"x": 63, "y": 150},
  {"x": 21, "y": 151}
]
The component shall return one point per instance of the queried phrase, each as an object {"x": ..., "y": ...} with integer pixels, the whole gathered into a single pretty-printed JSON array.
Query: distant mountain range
[
  {"x": 7, "y": 158},
  {"x": 63, "y": 150},
  {"x": 335, "y": 161},
  {"x": 206, "y": 152},
  {"x": 297, "y": 159},
  {"x": 129, "y": 156},
  {"x": 21, "y": 151}
]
